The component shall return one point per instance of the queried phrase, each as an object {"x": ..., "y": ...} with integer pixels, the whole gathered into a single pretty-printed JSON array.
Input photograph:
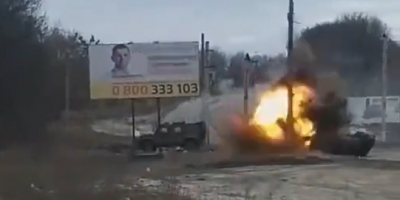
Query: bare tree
[{"x": 31, "y": 83}]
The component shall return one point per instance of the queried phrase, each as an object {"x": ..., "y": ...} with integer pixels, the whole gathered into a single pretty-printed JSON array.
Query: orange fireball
[{"x": 273, "y": 107}]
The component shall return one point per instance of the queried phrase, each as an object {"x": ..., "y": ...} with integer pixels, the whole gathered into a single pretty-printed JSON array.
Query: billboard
[
  {"x": 368, "y": 110},
  {"x": 144, "y": 70}
]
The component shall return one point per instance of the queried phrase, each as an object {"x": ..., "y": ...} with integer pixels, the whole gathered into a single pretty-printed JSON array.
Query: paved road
[{"x": 375, "y": 178}]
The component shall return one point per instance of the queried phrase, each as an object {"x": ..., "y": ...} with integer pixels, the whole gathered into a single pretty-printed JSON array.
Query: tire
[
  {"x": 147, "y": 146},
  {"x": 191, "y": 145}
]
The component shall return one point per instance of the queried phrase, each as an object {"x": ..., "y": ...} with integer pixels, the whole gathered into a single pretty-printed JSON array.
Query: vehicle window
[{"x": 178, "y": 129}]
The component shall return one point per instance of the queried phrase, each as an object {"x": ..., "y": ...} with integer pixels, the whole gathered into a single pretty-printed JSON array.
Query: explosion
[
  {"x": 272, "y": 110},
  {"x": 318, "y": 125},
  {"x": 267, "y": 129}
]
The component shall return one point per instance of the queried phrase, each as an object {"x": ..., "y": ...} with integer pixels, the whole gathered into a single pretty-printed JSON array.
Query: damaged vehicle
[
  {"x": 334, "y": 132},
  {"x": 319, "y": 121}
]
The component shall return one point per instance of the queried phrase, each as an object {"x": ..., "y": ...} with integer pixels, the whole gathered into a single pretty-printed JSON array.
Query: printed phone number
[{"x": 156, "y": 90}]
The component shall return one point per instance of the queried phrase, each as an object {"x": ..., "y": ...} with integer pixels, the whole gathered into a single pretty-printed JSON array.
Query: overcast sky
[{"x": 233, "y": 25}]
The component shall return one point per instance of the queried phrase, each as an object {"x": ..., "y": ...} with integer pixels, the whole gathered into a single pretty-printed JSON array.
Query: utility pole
[
  {"x": 206, "y": 86},
  {"x": 203, "y": 77},
  {"x": 206, "y": 66},
  {"x": 202, "y": 60},
  {"x": 290, "y": 18},
  {"x": 67, "y": 91},
  {"x": 246, "y": 72},
  {"x": 290, "y": 70},
  {"x": 384, "y": 84},
  {"x": 65, "y": 56}
]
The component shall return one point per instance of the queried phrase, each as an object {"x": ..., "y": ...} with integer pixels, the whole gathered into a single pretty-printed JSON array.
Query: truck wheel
[
  {"x": 147, "y": 146},
  {"x": 191, "y": 145}
]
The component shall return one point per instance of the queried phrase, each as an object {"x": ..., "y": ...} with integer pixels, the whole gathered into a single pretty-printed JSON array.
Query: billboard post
[
  {"x": 134, "y": 142},
  {"x": 158, "y": 101}
]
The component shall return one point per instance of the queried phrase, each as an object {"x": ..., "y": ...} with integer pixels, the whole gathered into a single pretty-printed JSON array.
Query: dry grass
[
  {"x": 71, "y": 168},
  {"x": 67, "y": 178}
]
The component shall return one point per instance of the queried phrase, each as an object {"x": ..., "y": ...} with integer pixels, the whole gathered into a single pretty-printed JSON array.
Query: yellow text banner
[{"x": 144, "y": 90}]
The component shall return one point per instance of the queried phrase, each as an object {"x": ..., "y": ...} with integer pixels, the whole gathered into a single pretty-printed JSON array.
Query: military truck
[{"x": 188, "y": 136}]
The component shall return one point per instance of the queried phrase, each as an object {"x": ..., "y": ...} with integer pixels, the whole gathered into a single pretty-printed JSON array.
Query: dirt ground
[
  {"x": 77, "y": 164},
  {"x": 80, "y": 164}
]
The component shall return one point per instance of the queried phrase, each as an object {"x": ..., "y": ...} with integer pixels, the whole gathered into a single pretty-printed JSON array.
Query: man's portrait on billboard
[{"x": 121, "y": 57}]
